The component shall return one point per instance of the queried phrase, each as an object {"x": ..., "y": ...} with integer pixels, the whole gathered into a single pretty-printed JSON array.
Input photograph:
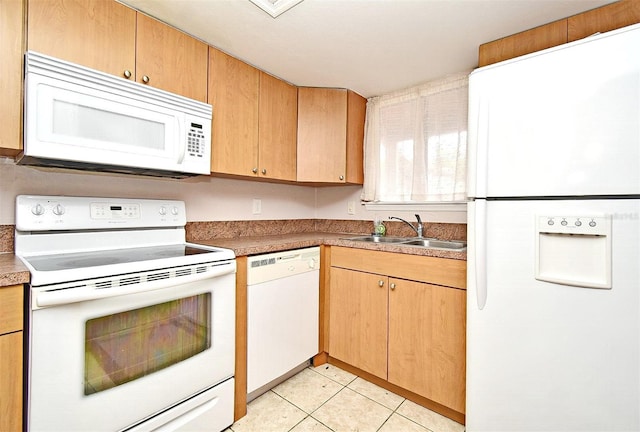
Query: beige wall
[{"x": 206, "y": 198}]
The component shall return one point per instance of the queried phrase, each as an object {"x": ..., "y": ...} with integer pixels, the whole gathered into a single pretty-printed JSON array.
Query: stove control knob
[
  {"x": 162, "y": 211},
  {"x": 58, "y": 210},
  {"x": 174, "y": 211},
  {"x": 37, "y": 210}
]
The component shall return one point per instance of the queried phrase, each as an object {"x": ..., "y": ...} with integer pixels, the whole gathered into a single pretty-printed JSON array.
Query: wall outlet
[
  {"x": 351, "y": 207},
  {"x": 257, "y": 206}
]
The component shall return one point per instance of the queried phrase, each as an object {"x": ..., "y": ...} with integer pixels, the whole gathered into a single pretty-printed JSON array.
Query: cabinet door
[
  {"x": 99, "y": 34},
  {"x": 526, "y": 42},
  {"x": 322, "y": 135},
  {"x": 170, "y": 59},
  {"x": 278, "y": 124},
  {"x": 11, "y": 307},
  {"x": 11, "y": 382},
  {"x": 233, "y": 92},
  {"x": 603, "y": 19},
  {"x": 427, "y": 341},
  {"x": 11, "y": 48},
  {"x": 358, "y": 320},
  {"x": 356, "y": 113}
]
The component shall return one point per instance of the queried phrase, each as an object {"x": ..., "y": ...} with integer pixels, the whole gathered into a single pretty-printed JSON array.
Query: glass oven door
[{"x": 109, "y": 363}]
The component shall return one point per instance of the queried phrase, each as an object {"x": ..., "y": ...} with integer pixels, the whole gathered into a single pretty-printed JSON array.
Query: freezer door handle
[{"x": 480, "y": 252}]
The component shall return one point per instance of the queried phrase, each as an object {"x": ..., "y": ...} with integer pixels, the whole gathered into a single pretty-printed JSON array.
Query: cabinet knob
[
  {"x": 264, "y": 170},
  {"x": 255, "y": 170},
  {"x": 341, "y": 177},
  {"x": 380, "y": 283},
  {"x": 392, "y": 286},
  {"x": 127, "y": 73},
  {"x": 145, "y": 79}
]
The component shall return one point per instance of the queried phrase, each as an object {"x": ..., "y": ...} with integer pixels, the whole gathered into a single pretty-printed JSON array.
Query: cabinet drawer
[
  {"x": 438, "y": 271},
  {"x": 11, "y": 304}
]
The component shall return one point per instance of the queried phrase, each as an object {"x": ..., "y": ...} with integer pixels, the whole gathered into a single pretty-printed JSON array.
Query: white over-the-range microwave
[{"x": 76, "y": 117}]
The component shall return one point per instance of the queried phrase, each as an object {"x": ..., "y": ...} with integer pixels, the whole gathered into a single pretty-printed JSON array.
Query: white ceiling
[{"x": 370, "y": 46}]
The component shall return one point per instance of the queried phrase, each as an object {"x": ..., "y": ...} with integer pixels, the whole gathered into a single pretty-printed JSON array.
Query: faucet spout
[{"x": 418, "y": 230}]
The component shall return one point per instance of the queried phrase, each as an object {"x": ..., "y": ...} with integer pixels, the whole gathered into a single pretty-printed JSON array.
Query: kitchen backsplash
[
  {"x": 6, "y": 238},
  {"x": 200, "y": 231}
]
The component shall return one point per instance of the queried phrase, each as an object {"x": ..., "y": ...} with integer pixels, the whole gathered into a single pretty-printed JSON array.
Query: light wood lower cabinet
[
  {"x": 386, "y": 319},
  {"x": 358, "y": 315},
  {"x": 11, "y": 358},
  {"x": 427, "y": 341}
]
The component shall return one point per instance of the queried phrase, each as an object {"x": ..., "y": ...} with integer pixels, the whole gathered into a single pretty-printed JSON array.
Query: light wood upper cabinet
[
  {"x": 99, "y": 34},
  {"x": 170, "y": 59},
  {"x": 254, "y": 121},
  {"x": 356, "y": 113},
  {"x": 110, "y": 37},
  {"x": 526, "y": 42},
  {"x": 603, "y": 19},
  {"x": 11, "y": 49},
  {"x": 278, "y": 125},
  {"x": 609, "y": 17},
  {"x": 427, "y": 334},
  {"x": 233, "y": 93},
  {"x": 330, "y": 135},
  {"x": 11, "y": 306}
]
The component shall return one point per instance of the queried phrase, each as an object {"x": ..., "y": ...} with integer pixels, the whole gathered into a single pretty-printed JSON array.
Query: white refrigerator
[{"x": 553, "y": 313}]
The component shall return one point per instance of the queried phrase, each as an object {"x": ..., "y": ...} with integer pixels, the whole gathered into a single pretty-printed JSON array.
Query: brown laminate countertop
[
  {"x": 244, "y": 246},
  {"x": 12, "y": 270}
]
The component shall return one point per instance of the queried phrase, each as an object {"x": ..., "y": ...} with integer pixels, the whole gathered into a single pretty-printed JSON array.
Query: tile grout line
[
  {"x": 342, "y": 388},
  {"x": 365, "y": 396},
  {"x": 393, "y": 411}
]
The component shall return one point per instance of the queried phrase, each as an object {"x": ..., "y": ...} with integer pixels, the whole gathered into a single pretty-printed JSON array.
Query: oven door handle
[{"x": 59, "y": 297}]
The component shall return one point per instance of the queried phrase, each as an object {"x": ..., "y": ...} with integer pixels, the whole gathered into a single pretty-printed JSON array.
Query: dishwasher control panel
[{"x": 261, "y": 268}]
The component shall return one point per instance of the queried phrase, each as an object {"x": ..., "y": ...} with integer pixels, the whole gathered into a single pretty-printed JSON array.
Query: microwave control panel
[{"x": 195, "y": 141}]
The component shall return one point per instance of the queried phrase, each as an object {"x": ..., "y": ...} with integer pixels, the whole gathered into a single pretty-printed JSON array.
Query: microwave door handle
[{"x": 182, "y": 140}]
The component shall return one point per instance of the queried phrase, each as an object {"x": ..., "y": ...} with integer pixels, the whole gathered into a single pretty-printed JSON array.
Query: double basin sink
[{"x": 412, "y": 241}]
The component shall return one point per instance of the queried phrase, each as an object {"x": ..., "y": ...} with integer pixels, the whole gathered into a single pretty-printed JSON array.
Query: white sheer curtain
[{"x": 416, "y": 144}]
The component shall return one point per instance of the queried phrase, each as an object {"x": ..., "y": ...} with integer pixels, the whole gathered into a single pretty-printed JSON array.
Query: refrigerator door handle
[
  {"x": 482, "y": 169},
  {"x": 478, "y": 138},
  {"x": 480, "y": 252}
]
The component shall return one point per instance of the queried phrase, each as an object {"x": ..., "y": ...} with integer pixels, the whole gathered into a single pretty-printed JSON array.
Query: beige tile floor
[{"x": 326, "y": 398}]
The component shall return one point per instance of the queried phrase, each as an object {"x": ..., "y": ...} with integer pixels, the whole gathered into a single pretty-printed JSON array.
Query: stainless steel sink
[
  {"x": 378, "y": 239},
  {"x": 412, "y": 241},
  {"x": 440, "y": 244}
]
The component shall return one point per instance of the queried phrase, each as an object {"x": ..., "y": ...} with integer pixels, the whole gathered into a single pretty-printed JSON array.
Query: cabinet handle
[
  {"x": 145, "y": 79},
  {"x": 380, "y": 283},
  {"x": 392, "y": 286},
  {"x": 264, "y": 170},
  {"x": 341, "y": 177},
  {"x": 127, "y": 73},
  {"x": 255, "y": 170}
]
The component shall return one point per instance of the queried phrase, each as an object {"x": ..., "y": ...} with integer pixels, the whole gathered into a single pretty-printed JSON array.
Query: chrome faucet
[{"x": 418, "y": 230}]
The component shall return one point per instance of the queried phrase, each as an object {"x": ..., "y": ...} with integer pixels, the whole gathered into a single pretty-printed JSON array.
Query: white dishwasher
[{"x": 282, "y": 315}]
